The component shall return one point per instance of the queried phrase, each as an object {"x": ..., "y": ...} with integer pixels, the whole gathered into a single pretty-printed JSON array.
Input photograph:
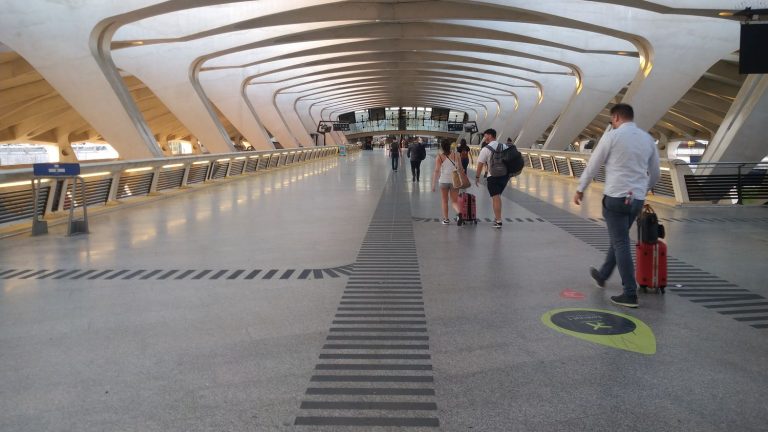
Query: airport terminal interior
[{"x": 201, "y": 227}]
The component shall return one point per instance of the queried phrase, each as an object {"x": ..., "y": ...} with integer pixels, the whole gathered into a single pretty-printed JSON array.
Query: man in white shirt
[
  {"x": 496, "y": 184},
  {"x": 631, "y": 169}
]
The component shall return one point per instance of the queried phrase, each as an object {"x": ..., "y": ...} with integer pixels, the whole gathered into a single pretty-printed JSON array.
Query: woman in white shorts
[{"x": 446, "y": 162}]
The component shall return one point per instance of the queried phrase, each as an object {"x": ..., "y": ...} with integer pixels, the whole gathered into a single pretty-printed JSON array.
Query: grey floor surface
[{"x": 236, "y": 308}]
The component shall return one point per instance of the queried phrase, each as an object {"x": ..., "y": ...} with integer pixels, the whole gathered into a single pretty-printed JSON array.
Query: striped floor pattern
[
  {"x": 375, "y": 368},
  {"x": 176, "y": 274},
  {"x": 685, "y": 280}
]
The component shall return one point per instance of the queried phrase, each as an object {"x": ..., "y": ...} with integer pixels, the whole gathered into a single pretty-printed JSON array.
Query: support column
[{"x": 741, "y": 136}]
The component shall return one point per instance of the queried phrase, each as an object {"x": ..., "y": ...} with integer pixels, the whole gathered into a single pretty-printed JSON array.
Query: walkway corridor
[{"x": 327, "y": 296}]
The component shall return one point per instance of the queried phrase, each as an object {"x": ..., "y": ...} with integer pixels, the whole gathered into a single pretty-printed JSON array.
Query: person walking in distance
[
  {"x": 416, "y": 154},
  {"x": 394, "y": 153},
  {"x": 631, "y": 168},
  {"x": 464, "y": 153},
  {"x": 445, "y": 163},
  {"x": 497, "y": 178}
]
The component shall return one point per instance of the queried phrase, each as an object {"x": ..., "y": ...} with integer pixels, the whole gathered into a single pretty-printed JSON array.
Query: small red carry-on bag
[
  {"x": 468, "y": 207},
  {"x": 651, "y": 269},
  {"x": 651, "y": 252}
]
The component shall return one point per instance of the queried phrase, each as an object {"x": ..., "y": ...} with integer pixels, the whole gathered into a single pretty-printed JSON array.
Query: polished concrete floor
[{"x": 327, "y": 296}]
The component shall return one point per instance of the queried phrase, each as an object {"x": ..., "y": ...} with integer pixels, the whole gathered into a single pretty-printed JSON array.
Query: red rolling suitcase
[
  {"x": 468, "y": 208},
  {"x": 651, "y": 268}
]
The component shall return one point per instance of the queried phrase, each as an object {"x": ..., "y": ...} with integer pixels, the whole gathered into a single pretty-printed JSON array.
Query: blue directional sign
[{"x": 56, "y": 169}]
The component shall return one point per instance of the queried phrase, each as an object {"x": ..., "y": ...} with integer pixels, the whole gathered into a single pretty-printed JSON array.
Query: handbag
[
  {"x": 459, "y": 177},
  {"x": 649, "y": 230}
]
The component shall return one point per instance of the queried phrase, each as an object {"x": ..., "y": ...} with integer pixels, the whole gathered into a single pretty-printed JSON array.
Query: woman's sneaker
[
  {"x": 446, "y": 221},
  {"x": 497, "y": 224}
]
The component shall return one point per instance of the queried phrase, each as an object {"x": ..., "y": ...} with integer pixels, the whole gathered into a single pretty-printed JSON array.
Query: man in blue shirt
[{"x": 631, "y": 169}]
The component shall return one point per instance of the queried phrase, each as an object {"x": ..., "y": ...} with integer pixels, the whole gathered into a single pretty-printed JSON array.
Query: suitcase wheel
[
  {"x": 459, "y": 222},
  {"x": 643, "y": 288},
  {"x": 663, "y": 290}
]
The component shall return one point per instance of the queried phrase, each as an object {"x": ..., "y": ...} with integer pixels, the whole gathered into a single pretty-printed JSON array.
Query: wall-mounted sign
[
  {"x": 604, "y": 327},
  {"x": 338, "y": 126},
  {"x": 56, "y": 169}
]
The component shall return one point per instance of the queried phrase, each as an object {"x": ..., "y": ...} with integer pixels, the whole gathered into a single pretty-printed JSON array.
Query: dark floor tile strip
[
  {"x": 269, "y": 274},
  {"x": 733, "y": 305},
  {"x": 116, "y": 274},
  {"x": 167, "y": 274},
  {"x": 742, "y": 297},
  {"x": 331, "y": 273},
  {"x": 377, "y": 338},
  {"x": 368, "y": 421},
  {"x": 287, "y": 274},
  {"x": 235, "y": 274},
  {"x": 184, "y": 274},
  {"x": 373, "y": 378},
  {"x": 253, "y": 274},
  {"x": 7, "y": 271},
  {"x": 218, "y": 274},
  {"x": 760, "y": 326},
  {"x": 760, "y": 318},
  {"x": 19, "y": 273},
  {"x": 317, "y": 274},
  {"x": 376, "y": 356},
  {"x": 201, "y": 274},
  {"x": 67, "y": 274},
  {"x": 744, "y": 311},
  {"x": 150, "y": 274},
  {"x": 51, "y": 274},
  {"x": 373, "y": 367},
  {"x": 352, "y": 405},
  {"x": 133, "y": 275},
  {"x": 374, "y": 391},
  {"x": 37, "y": 273},
  {"x": 83, "y": 274}
]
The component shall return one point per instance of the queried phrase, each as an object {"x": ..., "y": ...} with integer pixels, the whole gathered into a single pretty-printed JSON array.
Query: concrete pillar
[{"x": 741, "y": 136}]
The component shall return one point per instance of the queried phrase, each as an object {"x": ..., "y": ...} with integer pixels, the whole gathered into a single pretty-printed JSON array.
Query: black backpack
[
  {"x": 422, "y": 152},
  {"x": 514, "y": 161},
  {"x": 505, "y": 160}
]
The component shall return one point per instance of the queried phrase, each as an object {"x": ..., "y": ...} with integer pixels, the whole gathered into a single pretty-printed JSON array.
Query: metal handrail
[{"x": 19, "y": 179}]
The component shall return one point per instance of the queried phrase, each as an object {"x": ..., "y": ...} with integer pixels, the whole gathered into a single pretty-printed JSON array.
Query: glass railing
[{"x": 420, "y": 124}]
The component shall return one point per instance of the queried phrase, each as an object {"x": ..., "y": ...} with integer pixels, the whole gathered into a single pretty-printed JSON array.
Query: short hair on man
[
  {"x": 491, "y": 132},
  {"x": 624, "y": 111}
]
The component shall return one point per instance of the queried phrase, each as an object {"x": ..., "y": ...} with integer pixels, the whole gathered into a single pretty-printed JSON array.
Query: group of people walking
[{"x": 631, "y": 162}]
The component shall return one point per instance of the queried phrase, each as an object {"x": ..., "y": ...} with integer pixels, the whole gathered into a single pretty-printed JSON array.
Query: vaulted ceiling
[{"x": 545, "y": 71}]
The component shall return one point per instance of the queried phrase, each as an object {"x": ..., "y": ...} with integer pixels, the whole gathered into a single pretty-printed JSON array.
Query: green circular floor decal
[{"x": 604, "y": 327}]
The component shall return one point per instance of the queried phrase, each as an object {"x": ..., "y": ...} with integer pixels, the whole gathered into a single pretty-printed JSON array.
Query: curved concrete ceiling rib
[{"x": 42, "y": 32}]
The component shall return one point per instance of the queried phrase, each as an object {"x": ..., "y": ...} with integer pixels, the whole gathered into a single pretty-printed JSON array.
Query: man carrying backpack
[{"x": 498, "y": 175}]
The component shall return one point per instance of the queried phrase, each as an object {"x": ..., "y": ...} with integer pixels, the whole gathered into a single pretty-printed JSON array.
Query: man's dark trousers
[
  {"x": 619, "y": 217},
  {"x": 416, "y": 169}
]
